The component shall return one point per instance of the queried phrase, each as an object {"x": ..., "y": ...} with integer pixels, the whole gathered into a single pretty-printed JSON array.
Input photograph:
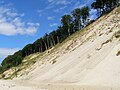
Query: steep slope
[{"x": 89, "y": 57}]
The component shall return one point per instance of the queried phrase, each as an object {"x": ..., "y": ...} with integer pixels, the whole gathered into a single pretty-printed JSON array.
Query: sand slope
[
  {"x": 87, "y": 62},
  {"x": 92, "y": 62}
]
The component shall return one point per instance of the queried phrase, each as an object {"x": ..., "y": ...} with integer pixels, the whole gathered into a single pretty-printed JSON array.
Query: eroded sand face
[{"x": 94, "y": 65}]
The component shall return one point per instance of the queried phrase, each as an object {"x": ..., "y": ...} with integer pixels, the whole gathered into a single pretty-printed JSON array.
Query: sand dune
[
  {"x": 95, "y": 61},
  {"x": 91, "y": 63}
]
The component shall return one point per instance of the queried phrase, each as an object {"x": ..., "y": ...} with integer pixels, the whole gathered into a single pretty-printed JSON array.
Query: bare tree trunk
[
  {"x": 51, "y": 44},
  {"x": 45, "y": 45},
  {"x": 69, "y": 31},
  {"x": 48, "y": 43},
  {"x": 78, "y": 25},
  {"x": 58, "y": 39},
  {"x": 53, "y": 41}
]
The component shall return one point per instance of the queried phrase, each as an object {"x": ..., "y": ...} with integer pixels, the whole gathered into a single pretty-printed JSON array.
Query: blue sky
[{"x": 24, "y": 21}]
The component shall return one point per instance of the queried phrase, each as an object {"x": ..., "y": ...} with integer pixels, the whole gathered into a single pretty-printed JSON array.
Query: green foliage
[
  {"x": 27, "y": 50},
  {"x": 104, "y": 6},
  {"x": 77, "y": 17},
  {"x": 85, "y": 14},
  {"x": 66, "y": 21},
  {"x": 12, "y": 61},
  {"x": 0, "y": 69}
]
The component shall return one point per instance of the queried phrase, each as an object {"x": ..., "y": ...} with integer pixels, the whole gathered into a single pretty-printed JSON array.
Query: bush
[{"x": 11, "y": 61}]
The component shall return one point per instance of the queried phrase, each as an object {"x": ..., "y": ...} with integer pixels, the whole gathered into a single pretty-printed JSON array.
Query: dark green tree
[
  {"x": 85, "y": 14},
  {"x": 77, "y": 17},
  {"x": 66, "y": 21},
  {"x": 104, "y": 6}
]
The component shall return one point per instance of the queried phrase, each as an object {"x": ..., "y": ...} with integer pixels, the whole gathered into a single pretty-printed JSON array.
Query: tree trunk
[
  {"x": 53, "y": 41},
  {"x": 45, "y": 46},
  {"x": 58, "y": 39},
  {"x": 48, "y": 43},
  {"x": 51, "y": 44},
  {"x": 78, "y": 25},
  {"x": 69, "y": 31}
]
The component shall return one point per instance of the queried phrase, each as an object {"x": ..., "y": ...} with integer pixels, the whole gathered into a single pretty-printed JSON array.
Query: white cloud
[
  {"x": 51, "y": 18},
  {"x": 7, "y": 51},
  {"x": 11, "y": 23},
  {"x": 53, "y": 24},
  {"x": 78, "y": 5},
  {"x": 33, "y": 24},
  {"x": 17, "y": 22},
  {"x": 7, "y": 29},
  {"x": 40, "y": 12},
  {"x": 31, "y": 30},
  {"x": 63, "y": 2},
  {"x": 54, "y": 3},
  {"x": 58, "y": 2},
  {"x": 59, "y": 9},
  {"x": 57, "y": 6}
]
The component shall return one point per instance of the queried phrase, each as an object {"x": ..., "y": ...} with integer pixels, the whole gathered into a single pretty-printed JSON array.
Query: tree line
[
  {"x": 69, "y": 25},
  {"x": 105, "y": 6}
]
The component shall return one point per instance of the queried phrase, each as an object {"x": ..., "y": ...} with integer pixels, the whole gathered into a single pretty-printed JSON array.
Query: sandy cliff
[{"x": 88, "y": 60}]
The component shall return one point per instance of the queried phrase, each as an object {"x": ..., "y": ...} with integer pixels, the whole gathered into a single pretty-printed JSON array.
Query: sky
[{"x": 24, "y": 21}]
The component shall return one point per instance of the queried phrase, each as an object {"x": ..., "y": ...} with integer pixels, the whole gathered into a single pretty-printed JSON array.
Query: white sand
[{"x": 91, "y": 66}]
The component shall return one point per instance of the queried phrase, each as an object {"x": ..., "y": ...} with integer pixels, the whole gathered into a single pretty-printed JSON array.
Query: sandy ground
[
  {"x": 94, "y": 65},
  {"x": 27, "y": 85},
  {"x": 10, "y": 85}
]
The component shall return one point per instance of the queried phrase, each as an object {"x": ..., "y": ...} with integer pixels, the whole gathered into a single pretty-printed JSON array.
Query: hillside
[
  {"x": 85, "y": 55},
  {"x": 88, "y": 59}
]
